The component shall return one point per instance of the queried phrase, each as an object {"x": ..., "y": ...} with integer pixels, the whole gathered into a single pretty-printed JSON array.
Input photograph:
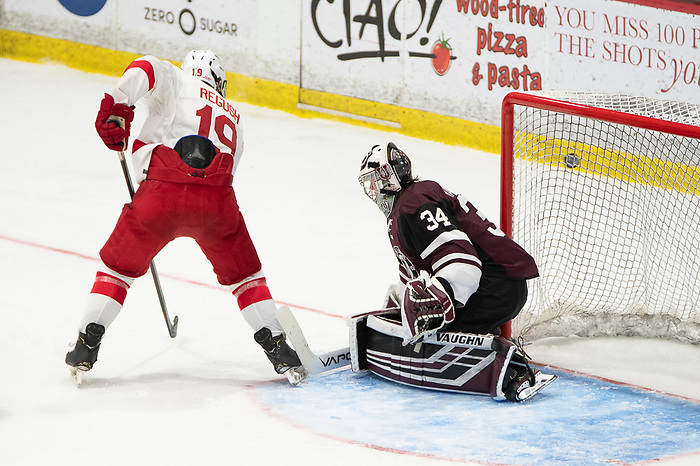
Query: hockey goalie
[{"x": 461, "y": 279}]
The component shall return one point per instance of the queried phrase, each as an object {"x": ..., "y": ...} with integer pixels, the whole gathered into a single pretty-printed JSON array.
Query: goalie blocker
[{"x": 455, "y": 362}]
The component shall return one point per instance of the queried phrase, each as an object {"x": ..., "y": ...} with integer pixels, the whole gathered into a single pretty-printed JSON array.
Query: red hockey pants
[{"x": 162, "y": 211}]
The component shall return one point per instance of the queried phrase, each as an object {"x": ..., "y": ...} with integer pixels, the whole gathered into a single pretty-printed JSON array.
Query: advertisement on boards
[
  {"x": 607, "y": 46},
  {"x": 164, "y": 28},
  {"x": 172, "y": 28},
  {"x": 460, "y": 57},
  {"x": 252, "y": 38},
  {"x": 456, "y": 58},
  {"x": 88, "y": 22}
]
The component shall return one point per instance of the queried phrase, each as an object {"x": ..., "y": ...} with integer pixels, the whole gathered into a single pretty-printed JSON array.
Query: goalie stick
[{"x": 313, "y": 363}]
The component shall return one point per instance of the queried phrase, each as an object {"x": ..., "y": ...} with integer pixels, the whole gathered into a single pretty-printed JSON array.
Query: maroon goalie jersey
[{"x": 431, "y": 228}]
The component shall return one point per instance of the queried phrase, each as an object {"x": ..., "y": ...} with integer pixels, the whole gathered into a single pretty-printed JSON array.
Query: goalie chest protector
[{"x": 448, "y": 361}]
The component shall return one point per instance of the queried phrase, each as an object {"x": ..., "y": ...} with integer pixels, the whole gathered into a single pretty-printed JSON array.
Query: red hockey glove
[
  {"x": 425, "y": 309},
  {"x": 113, "y": 123}
]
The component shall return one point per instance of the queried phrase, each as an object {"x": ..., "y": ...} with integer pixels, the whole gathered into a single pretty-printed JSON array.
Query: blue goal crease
[{"x": 577, "y": 419}]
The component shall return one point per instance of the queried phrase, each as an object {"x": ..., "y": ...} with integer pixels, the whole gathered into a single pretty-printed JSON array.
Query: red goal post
[{"x": 581, "y": 175}]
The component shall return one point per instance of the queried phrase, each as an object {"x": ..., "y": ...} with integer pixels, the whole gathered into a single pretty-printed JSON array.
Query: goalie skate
[{"x": 526, "y": 390}]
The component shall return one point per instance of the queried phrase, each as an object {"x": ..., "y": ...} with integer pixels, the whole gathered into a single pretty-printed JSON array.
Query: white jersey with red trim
[{"x": 178, "y": 105}]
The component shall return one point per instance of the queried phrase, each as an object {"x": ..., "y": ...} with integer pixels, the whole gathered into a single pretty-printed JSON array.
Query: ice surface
[{"x": 210, "y": 396}]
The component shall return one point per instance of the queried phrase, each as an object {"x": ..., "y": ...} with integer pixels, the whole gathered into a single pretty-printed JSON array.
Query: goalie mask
[
  {"x": 205, "y": 65},
  {"x": 384, "y": 173}
]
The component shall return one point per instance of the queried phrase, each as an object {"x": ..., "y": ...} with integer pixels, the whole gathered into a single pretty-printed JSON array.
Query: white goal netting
[{"x": 611, "y": 213}]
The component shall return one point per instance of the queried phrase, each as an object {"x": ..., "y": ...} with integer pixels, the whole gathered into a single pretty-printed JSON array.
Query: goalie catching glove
[
  {"x": 113, "y": 123},
  {"x": 426, "y": 308}
]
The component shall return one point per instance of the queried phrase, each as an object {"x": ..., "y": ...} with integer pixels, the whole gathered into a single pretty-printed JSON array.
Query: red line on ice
[
  {"x": 328, "y": 314},
  {"x": 171, "y": 277}
]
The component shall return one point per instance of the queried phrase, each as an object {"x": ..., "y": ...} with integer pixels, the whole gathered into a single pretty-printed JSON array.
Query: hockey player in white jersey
[{"x": 185, "y": 157}]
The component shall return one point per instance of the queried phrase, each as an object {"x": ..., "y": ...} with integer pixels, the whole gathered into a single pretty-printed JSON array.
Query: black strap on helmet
[{"x": 401, "y": 163}]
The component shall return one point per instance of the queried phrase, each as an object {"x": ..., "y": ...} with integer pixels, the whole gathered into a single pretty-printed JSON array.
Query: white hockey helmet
[
  {"x": 384, "y": 172},
  {"x": 205, "y": 65}
]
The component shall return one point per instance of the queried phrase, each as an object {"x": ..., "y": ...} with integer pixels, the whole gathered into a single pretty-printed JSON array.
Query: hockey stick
[
  {"x": 312, "y": 362},
  {"x": 172, "y": 327}
]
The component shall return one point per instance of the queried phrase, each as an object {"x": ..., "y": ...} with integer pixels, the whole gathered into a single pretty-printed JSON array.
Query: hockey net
[{"x": 604, "y": 192}]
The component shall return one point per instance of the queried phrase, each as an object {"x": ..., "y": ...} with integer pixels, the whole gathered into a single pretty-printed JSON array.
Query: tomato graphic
[{"x": 441, "y": 50}]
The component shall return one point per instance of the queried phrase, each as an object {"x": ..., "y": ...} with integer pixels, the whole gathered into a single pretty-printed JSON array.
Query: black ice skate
[
  {"x": 521, "y": 381},
  {"x": 83, "y": 356},
  {"x": 518, "y": 379},
  {"x": 283, "y": 358}
]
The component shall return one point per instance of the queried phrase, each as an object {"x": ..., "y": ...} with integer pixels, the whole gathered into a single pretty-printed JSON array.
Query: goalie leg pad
[
  {"x": 455, "y": 362},
  {"x": 359, "y": 335},
  {"x": 448, "y": 361}
]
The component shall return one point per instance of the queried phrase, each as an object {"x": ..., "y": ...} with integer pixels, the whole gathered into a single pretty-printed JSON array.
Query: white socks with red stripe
[
  {"x": 106, "y": 298},
  {"x": 262, "y": 314},
  {"x": 256, "y": 304},
  {"x": 110, "y": 288}
]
